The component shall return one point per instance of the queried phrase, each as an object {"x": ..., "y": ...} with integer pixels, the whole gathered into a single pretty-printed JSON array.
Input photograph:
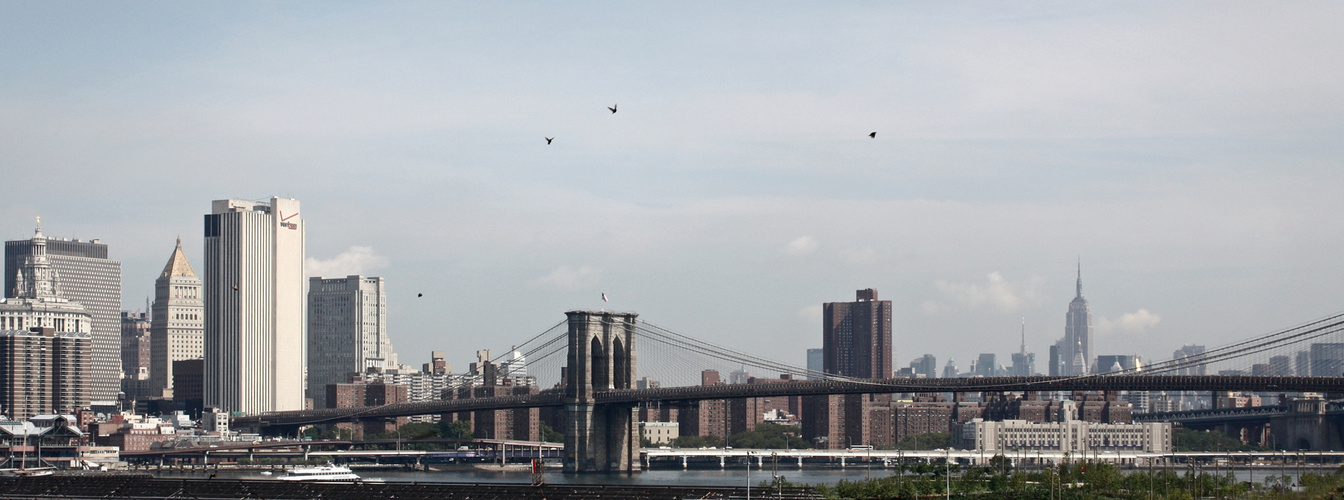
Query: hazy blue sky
[{"x": 1189, "y": 152}]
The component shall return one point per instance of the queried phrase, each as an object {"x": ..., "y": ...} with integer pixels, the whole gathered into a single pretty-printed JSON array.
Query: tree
[
  {"x": 1193, "y": 440},
  {"x": 460, "y": 429},
  {"x": 766, "y": 437},
  {"x": 550, "y": 435}
]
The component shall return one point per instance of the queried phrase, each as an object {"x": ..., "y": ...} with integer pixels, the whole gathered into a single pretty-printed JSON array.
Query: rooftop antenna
[
  {"x": 1080, "y": 275},
  {"x": 1024, "y": 335}
]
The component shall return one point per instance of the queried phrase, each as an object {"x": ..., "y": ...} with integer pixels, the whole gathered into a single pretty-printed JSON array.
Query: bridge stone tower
[
  {"x": 600, "y": 438},
  {"x": 1306, "y": 426}
]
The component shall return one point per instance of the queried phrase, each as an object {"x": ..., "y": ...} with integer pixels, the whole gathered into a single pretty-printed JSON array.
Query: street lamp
[
  {"x": 748, "y": 475},
  {"x": 775, "y": 457}
]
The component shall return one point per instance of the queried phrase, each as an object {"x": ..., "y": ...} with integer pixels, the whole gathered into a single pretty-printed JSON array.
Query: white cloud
[
  {"x": 811, "y": 314},
  {"x": 1136, "y": 323},
  {"x": 995, "y": 292},
  {"x": 804, "y": 245},
  {"x": 930, "y": 307},
  {"x": 568, "y": 279},
  {"x": 356, "y": 260}
]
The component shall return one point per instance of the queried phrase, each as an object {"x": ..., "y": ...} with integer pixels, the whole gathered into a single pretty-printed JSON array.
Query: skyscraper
[
  {"x": 925, "y": 365},
  {"x": 1076, "y": 349},
  {"x": 135, "y": 351},
  {"x": 44, "y": 341},
  {"x": 816, "y": 362},
  {"x": 1189, "y": 359},
  {"x": 347, "y": 331},
  {"x": 856, "y": 336},
  {"x": 43, "y": 371},
  {"x": 178, "y": 330},
  {"x": 1024, "y": 363},
  {"x": 254, "y": 306},
  {"x": 856, "y": 342},
  {"x": 88, "y": 277},
  {"x": 987, "y": 365}
]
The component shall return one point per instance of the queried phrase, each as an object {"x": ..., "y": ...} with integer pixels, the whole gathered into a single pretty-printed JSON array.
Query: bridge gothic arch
[
  {"x": 600, "y": 437},
  {"x": 597, "y": 358},
  {"x": 621, "y": 372}
]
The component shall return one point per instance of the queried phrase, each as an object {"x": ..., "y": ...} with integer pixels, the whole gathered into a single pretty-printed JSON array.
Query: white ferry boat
[{"x": 326, "y": 473}]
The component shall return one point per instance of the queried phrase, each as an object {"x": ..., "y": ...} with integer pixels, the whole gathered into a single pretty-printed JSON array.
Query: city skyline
[{"x": 1186, "y": 152}]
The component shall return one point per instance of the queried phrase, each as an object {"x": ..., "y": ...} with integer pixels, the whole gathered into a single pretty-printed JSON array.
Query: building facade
[
  {"x": 134, "y": 344},
  {"x": 45, "y": 342},
  {"x": 1068, "y": 435},
  {"x": 816, "y": 363},
  {"x": 91, "y": 279},
  {"x": 856, "y": 337},
  {"x": 43, "y": 371},
  {"x": 925, "y": 366},
  {"x": 178, "y": 332},
  {"x": 135, "y": 354},
  {"x": 347, "y": 331},
  {"x": 254, "y": 306},
  {"x": 1327, "y": 359}
]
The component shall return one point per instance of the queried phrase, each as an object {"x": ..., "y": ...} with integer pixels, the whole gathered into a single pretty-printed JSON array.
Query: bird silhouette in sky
[
  {"x": 873, "y": 135},
  {"x": 419, "y": 295},
  {"x": 612, "y": 108},
  {"x": 549, "y": 139}
]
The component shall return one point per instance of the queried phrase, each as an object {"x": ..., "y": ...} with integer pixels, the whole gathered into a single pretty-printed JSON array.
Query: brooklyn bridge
[{"x": 598, "y": 394}]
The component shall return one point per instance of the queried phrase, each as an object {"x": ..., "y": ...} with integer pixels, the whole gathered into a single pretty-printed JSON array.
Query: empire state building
[{"x": 1077, "y": 343}]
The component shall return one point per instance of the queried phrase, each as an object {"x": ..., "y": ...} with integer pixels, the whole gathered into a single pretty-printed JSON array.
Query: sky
[{"x": 1187, "y": 153}]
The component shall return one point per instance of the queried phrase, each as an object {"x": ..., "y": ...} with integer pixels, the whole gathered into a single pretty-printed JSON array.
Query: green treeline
[{"x": 1077, "y": 481}]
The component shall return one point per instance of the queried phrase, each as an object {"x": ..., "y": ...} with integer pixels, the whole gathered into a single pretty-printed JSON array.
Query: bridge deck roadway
[{"x": 814, "y": 388}]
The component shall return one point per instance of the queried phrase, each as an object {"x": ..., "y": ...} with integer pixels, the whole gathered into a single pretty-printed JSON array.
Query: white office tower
[
  {"x": 514, "y": 366},
  {"x": 347, "y": 332},
  {"x": 178, "y": 330},
  {"x": 254, "y": 306}
]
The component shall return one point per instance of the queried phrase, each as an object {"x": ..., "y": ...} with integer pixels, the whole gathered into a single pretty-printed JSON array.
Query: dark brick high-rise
[
  {"x": 856, "y": 342},
  {"x": 856, "y": 336}
]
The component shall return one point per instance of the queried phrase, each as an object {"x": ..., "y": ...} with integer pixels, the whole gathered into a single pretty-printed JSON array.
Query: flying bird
[
  {"x": 549, "y": 139},
  {"x": 612, "y": 108},
  {"x": 235, "y": 287},
  {"x": 873, "y": 135},
  {"x": 604, "y": 297},
  {"x": 419, "y": 295}
]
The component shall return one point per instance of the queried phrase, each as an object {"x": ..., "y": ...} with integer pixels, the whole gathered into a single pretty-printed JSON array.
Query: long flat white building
[{"x": 254, "y": 306}]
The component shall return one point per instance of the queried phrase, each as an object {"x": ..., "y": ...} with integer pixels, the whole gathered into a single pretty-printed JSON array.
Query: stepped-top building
[{"x": 1075, "y": 349}]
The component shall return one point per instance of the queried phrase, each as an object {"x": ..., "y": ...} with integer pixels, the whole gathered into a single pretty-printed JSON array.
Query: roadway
[{"x": 554, "y": 398}]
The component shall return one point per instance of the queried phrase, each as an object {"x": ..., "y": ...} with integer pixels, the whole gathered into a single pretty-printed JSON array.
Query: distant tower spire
[
  {"x": 1024, "y": 335},
  {"x": 1080, "y": 276}
]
